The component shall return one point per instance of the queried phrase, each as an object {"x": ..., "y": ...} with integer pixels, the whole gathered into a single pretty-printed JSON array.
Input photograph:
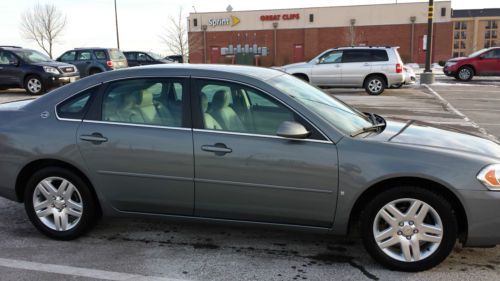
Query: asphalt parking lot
[{"x": 122, "y": 249}]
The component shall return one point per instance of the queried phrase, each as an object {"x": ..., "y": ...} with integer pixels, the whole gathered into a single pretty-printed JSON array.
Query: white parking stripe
[
  {"x": 457, "y": 112},
  {"x": 79, "y": 271}
]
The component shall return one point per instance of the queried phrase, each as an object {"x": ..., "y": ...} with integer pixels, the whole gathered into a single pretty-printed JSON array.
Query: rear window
[{"x": 115, "y": 54}]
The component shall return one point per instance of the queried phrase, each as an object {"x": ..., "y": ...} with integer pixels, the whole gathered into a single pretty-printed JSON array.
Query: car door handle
[
  {"x": 95, "y": 138},
  {"x": 366, "y": 64},
  {"x": 218, "y": 148}
]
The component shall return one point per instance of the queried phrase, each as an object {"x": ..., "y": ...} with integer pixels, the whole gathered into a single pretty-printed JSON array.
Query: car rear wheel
[
  {"x": 59, "y": 203},
  {"x": 94, "y": 71},
  {"x": 375, "y": 85},
  {"x": 409, "y": 228},
  {"x": 34, "y": 85},
  {"x": 302, "y": 77},
  {"x": 465, "y": 74}
]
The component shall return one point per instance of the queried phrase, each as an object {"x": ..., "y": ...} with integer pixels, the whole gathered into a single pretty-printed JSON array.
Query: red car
[{"x": 485, "y": 62}]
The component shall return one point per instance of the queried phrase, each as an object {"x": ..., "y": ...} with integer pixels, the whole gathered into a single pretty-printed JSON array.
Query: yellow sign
[{"x": 235, "y": 20}]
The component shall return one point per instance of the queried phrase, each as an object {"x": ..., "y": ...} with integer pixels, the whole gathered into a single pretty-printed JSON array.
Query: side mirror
[
  {"x": 316, "y": 61},
  {"x": 14, "y": 62},
  {"x": 293, "y": 130},
  {"x": 58, "y": 59}
]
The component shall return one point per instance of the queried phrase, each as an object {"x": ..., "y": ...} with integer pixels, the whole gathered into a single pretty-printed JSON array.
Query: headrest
[
  {"x": 221, "y": 99},
  {"x": 146, "y": 98}
]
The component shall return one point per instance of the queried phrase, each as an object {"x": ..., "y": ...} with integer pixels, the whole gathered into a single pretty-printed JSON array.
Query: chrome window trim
[
  {"x": 103, "y": 82},
  {"x": 259, "y": 135},
  {"x": 327, "y": 139},
  {"x": 136, "y": 125}
]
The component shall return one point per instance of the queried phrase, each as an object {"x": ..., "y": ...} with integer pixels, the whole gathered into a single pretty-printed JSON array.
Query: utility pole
[
  {"x": 428, "y": 77},
  {"x": 116, "y": 22}
]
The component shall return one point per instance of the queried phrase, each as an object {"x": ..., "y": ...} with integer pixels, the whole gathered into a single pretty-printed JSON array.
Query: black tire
[
  {"x": 397, "y": 86},
  {"x": 89, "y": 213},
  {"x": 33, "y": 85},
  {"x": 377, "y": 88},
  {"x": 465, "y": 73},
  {"x": 94, "y": 71},
  {"x": 436, "y": 201},
  {"x": 302, "y": 77}
]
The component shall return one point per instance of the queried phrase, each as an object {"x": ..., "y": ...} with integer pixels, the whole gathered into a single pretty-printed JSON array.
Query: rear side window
[
  {"x": 356, "y": 56},
  {"x": 130, "y": 56},
  {"x": 379, "y": 55},
  {"x": 100, "y": 55},
  {"x": 84, "y": 55},
  {"x": 76, "y": 107}
]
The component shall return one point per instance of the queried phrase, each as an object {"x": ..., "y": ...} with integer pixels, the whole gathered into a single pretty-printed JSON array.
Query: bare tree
[
  {"x": 44, "y": 25},
  {"x": 176, "y": 36}
]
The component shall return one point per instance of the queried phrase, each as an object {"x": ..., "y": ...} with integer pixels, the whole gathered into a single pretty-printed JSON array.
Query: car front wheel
[
  {"x": 375, "y": 85},
  {"x": 465, "y": 74},
  {"x": 409, "y": 228},
  {"x": 34, "y": 85},
  {"x": 59, "y": 203}
]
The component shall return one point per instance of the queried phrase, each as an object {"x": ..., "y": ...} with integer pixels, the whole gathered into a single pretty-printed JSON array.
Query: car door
[
  {"x": 83, "y": 61},
  {"x": 356, "y": 65},
  {"x": 140, "y": 151},
  {"x": 68, "y": 57},
  {"x": 243, "y": 171},
  {"x": 131, "y": 58},
  {"x": 328, "y": 69},
  {"x": 489, "y": 63},
  {"x": 10, "y": 72}
]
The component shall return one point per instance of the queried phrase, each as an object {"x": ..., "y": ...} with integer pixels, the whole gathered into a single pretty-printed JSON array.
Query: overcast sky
[{"x": 141, "y": 22}]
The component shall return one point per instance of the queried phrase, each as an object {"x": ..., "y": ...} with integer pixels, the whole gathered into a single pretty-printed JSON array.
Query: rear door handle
[
  {"x": 366, "y": 64},
  {"x": 95, "y": 138},
  {"x": 218, "y": 148}
]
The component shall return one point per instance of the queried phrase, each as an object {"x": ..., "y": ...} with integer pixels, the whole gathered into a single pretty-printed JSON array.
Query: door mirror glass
[
  {"x": 294, "y": 130},
  {"x": 14, "y": 62}
]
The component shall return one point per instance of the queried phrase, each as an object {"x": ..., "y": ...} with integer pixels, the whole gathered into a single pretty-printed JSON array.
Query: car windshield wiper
[{"x": 375, "y": 127}]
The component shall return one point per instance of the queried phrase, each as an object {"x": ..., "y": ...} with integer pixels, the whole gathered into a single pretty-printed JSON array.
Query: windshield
[
  {"x": 334, "y": 111},
  {"x": 477, "y": 53},
  {"x": 155, "y": 56},
  {"x": 31, "y": 56}
]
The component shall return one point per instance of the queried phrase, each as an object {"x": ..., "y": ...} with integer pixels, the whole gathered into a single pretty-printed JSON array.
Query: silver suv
[{"x": 372, "y": 68}]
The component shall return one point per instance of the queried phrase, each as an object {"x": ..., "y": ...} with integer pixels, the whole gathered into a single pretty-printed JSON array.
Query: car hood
[
  {"x": 52, "y": 63},
  {"x": 458, "y": 59},
  {"x": 424, "y": 134},
  {"x": 293, "y": 65}
]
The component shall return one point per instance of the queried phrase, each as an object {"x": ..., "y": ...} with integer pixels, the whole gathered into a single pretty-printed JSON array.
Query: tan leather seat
[
  {"x": 148, "y": 109},
  {"x": 208, "y": 120},
  {"x": 224, "y": 114}
]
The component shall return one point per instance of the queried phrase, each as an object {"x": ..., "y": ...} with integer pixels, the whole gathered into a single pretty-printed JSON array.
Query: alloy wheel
[
  {"x": 375, "y": 85},
  {"x": 34, "y": 85},
  {"x": 58, "y": 203},
  {"x": 408, "y": 230},
  {"x": 464, "y": 74}
]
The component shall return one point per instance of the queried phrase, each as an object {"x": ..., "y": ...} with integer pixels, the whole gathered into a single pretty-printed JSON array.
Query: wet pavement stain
[{"x": 330, "y": 259}]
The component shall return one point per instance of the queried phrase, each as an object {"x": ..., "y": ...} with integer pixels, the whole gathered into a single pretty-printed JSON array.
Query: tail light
[
  {"x": 109, "y": 63},
  {"x": 490, "y": 176},
  {"x": 399, "y": 68}
]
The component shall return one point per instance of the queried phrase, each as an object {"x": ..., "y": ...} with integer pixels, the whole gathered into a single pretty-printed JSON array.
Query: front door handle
[
  {"x": 95, "y": 138},
  {"x": 218, "y": 148}
]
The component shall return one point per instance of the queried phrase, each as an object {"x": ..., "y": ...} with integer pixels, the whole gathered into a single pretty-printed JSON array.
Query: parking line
[
  {"x": 79, "y": 271},
  {"x": 448, "y": 105}
]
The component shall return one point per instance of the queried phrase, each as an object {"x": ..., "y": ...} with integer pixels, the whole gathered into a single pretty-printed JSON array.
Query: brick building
[
  {"x": 277, "y": 37},
  {"x": 474, "y": 30}
]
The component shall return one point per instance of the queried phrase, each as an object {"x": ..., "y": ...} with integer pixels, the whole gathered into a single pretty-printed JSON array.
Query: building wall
[
  {"x": 474, "y": 32},
  {"x": 316, "y": 40}
]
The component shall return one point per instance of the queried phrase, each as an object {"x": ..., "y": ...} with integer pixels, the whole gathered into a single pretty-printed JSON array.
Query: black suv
[
  {"x": 137, "y": 58},
  {"x": 94, "y": 60},
  {"x": 32, "y": 70}
]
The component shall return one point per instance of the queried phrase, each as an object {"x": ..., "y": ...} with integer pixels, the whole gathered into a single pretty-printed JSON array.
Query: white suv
[{"x": 372, "y": 68}]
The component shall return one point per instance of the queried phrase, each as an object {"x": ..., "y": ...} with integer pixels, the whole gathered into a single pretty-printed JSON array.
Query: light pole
[
  {"x": 116, "y": 23},
  {"x": 428, "y": 77}
]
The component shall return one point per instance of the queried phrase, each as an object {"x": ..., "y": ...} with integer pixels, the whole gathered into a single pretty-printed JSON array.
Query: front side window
[
  {"x": 143, "y": 57},
  {"x": 331, "y": 57},
  {"x": 84, "y": 55},
  {"x": 68, "y": 56},
  {"x": 144, "y": 101},
  {"x": 494, "y": 54},
  {"x": 233, "y": 107},
  {"x": 76, "y": 107}
]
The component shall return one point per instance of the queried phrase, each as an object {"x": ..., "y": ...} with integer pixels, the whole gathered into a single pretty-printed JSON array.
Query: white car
[
  {"x": 410, "y": 77},
  {"x": 372, "y": 68}
]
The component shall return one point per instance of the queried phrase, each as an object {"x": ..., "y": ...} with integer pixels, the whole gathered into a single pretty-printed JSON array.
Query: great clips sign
[{"x": 280, "y": 17}]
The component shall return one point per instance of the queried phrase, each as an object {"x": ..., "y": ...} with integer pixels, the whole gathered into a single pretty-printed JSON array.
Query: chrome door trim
[
  {"x": 260, "y": 136},
  {"x": 136, "y": 125}
]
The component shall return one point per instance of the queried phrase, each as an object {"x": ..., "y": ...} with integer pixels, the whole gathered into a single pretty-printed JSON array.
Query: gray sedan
[{"x": 246, "y": 145}]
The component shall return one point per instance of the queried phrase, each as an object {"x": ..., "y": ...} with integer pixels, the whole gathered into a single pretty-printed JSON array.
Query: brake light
[
  {"x": 109, "y": 63},
  {"x": 399, "y": 68}
]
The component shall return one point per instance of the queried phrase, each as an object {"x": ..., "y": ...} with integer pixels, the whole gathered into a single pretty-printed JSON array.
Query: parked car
[
  {"x": 90, "y": 61},
  {"x": 32, "y": 70},
  {"x": 485, "y": 62},
  {"x": 175, "y": 58},
  {"x": 260, "y": 147},
  {"x": 410, "y": 77},
  {"x": 372, "y": 68},
  {"x": 136, "y": 58}
]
